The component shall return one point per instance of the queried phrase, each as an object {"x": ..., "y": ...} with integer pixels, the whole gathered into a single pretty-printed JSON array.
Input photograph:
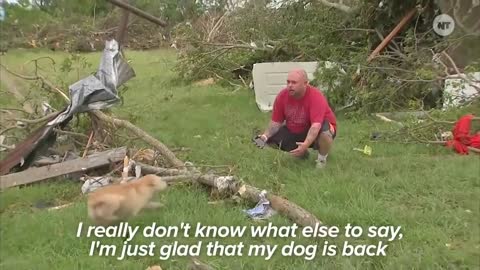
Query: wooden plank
[{"x": 71, "y": 166}]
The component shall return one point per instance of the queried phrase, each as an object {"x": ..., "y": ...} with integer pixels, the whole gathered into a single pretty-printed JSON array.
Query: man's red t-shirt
[{"x": 301, "y": 113}]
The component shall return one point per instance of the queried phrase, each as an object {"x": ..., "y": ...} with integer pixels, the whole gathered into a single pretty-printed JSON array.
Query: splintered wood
[{"x": 77, "y": 165}]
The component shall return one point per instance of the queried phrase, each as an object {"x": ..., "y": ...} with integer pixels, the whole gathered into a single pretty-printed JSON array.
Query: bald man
[{"x": 301, "y": 119}]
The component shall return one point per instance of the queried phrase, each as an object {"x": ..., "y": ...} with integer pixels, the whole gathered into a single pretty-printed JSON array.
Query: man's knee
[{"x": 324, "y": 137}]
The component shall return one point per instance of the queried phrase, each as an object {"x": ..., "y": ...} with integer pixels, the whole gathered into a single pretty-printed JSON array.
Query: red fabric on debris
[{"x": 461, "y": 136}]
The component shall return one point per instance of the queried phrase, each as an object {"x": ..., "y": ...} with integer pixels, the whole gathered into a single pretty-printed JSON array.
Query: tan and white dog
[{"x": 118, "y": 202}]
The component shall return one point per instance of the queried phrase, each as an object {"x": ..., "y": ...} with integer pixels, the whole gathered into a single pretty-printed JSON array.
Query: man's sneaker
[{"x": 320, "y": 164}]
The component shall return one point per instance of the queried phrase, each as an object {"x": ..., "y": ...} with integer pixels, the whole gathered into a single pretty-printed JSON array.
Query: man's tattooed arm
[
  {"x": 312, "y": 134},
  {"x": 272, "y": 129}
]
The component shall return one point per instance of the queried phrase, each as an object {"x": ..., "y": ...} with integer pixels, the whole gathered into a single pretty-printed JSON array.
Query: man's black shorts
[{"x": 287, "y": 141}]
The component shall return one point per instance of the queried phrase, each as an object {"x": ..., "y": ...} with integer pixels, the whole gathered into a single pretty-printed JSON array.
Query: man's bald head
[
  {"x": 297, "y": 82},
  {"x": 300, "y": 73}
]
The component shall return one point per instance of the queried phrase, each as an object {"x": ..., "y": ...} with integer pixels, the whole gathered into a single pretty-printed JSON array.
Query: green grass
[{"x": 429, "y": 191}]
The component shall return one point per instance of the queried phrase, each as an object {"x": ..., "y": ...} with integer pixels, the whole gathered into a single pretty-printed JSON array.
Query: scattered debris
[
  {"x": 262, "y": 210},
  {"x": 252, "y": 194},
  {"x": 77, "y": 165},
  {"x": 53, "y": 159},
  {"x": 98, "y": 91},
  {"x": 462, "y": 140},
  {"x": 367, "y": 150},
  {"x": 392, "y": 34},
  {"x": 386, "y": 119},
  {"x": 95, "y": 182}
]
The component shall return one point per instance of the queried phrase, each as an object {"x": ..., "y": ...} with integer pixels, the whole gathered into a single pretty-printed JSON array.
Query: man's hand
[
  {"x": 260, "y": 141},
  {"x": 300, "y": 150}
]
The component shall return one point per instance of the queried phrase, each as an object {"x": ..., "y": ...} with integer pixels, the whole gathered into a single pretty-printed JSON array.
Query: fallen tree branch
[
  {"x": 178, "y": 178},
  {"x": 392, "y": 34},
  {"x": 227, "y": 46},
  {"x": 70, "y": 133},
  {"x": 7, "y": 110},
  {"x": 88, "y": 144},
  {"x": 463, "y": 76},
  {"x": 138, "y": 12},
  {"x": 7, "y": 129},
  {"x": 169, "y": 155},
  {"x": 34, "y": 121},
  {"x": 123, "y": 27},
  {"x": 38, "y": 77},
  {"x": 230, "y": 185},
  {"x": 148, "y": 169},
  {"x": 6, "y": 146}
]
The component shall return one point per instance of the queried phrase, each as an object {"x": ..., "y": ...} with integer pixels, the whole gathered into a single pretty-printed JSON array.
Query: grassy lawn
[{"x": 429, "y": 191}]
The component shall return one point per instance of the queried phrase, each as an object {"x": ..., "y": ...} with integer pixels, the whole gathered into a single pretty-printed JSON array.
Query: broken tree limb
[
  {"x": 38, "y": 77},
  {"x": 122, "y": 29},
  {"x": 148, "y": 169},
  {"x": 178, "y": 178},
  {"x": 166, "y": 153},
  {"x": 138, "y": 12},
  {"x": 393, "y": 33},
  {"x": 35, "y": 121},
  {"x": 231, "y": 185},
  {"x": 386, "y": 119},
  {"x": 285, "y": 207},
  {"x": 77, "y": 165},
  {"x": 169, "y": 155}
]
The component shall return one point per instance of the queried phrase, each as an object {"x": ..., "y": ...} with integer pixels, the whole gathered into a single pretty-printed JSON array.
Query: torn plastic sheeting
[
  {"x": 262, "y": 210},
  {"x": 98, "y": 91}
]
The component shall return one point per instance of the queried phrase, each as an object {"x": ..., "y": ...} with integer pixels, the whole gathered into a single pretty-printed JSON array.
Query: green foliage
[
  {"x": 403, "y": 76},
  {"x": 59, "y": 8},
  {"x": 430, "y": 191},
  {"x": 304, "y": 36},
  {"x": 171, "y": 11},
  {"x": 19, "y": 22}
]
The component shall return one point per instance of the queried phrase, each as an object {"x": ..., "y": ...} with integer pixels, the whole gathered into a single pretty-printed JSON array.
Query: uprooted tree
[
  {"x": 407, "y": 73},
  {"x": 223, "y": 39}
]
